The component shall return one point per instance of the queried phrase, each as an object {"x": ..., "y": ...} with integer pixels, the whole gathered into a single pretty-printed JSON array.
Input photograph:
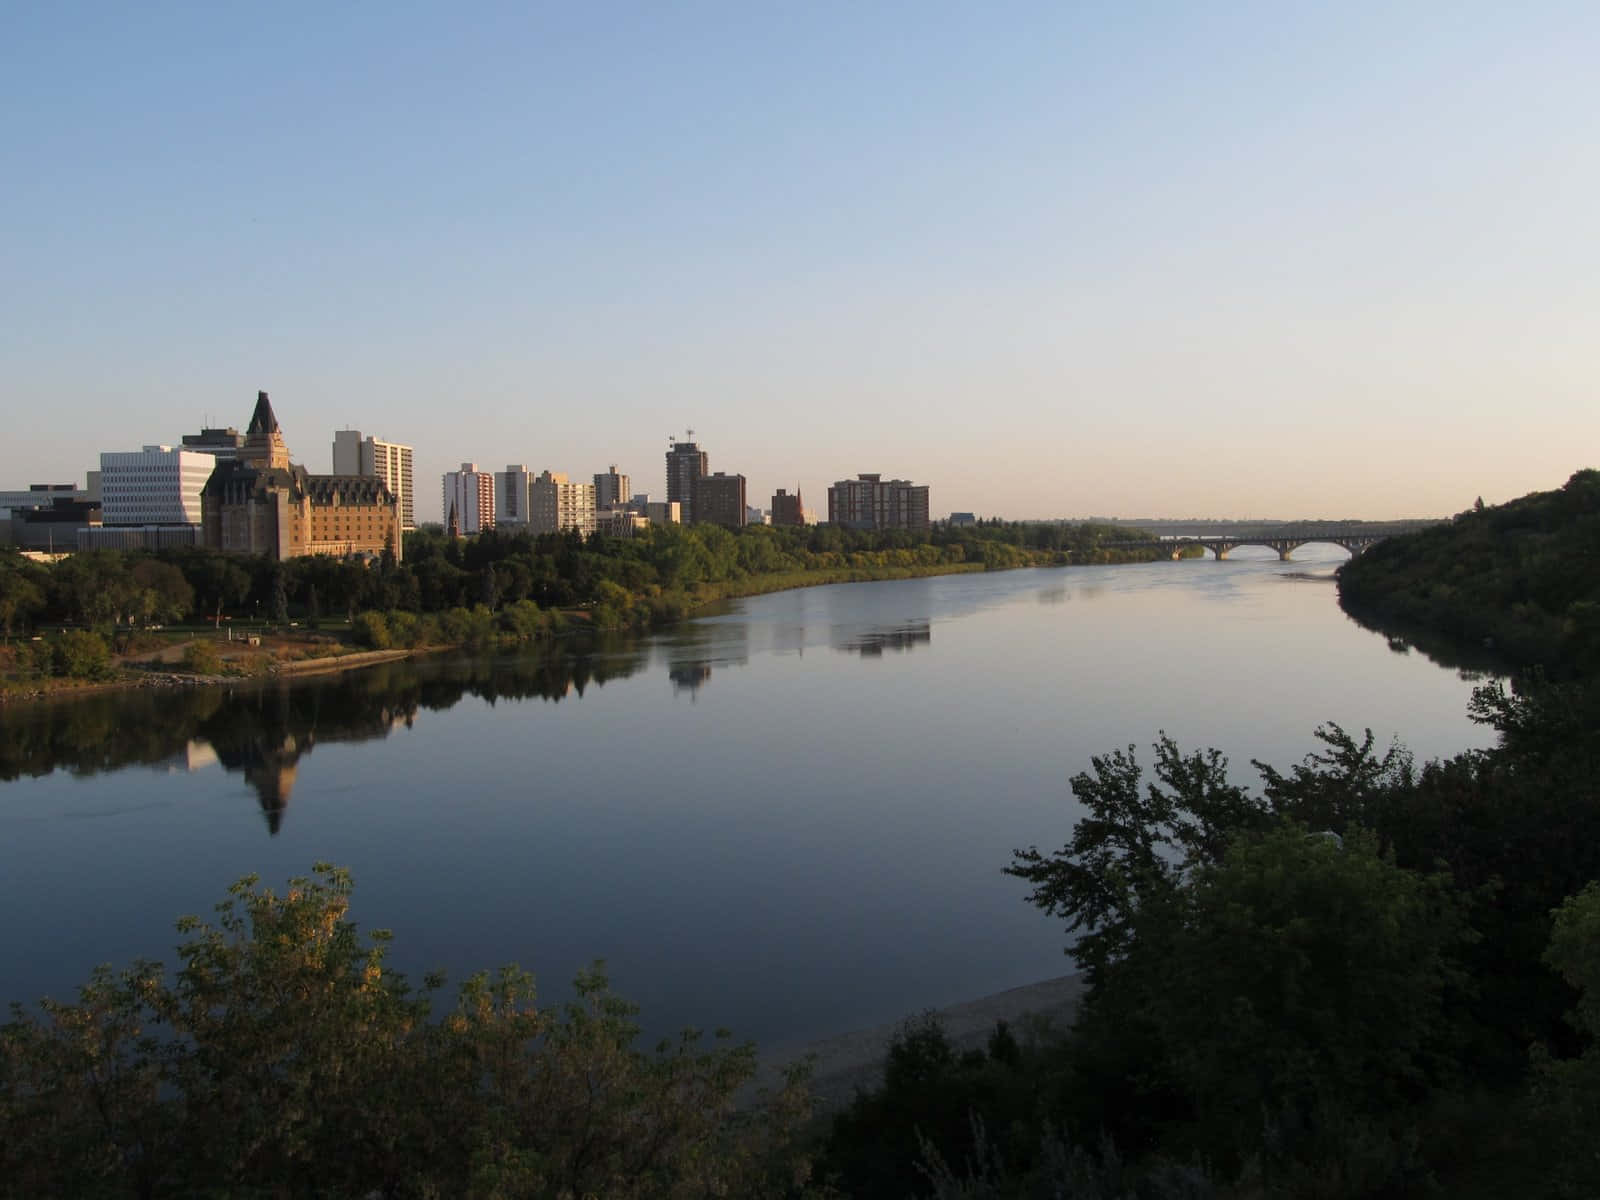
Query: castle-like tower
[{"x": 261, "y": 503}]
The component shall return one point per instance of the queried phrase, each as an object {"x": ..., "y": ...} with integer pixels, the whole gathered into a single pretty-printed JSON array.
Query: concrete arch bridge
[{"x": 1285, "y": 539}]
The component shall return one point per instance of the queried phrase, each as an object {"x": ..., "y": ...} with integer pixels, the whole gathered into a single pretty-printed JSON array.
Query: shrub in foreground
[{"x": 284, "y": 1058}]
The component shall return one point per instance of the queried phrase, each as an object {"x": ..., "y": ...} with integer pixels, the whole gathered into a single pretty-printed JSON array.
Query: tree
[
  {"x": 1567, "y": 1092},
  {"x": 19, "y": 598},
  {"x": 284, "y": 1057},
  {"x": 280, "y": 596},
  {"x": 1301, "y": 980},
  {"x": 1134, "y": 844}
]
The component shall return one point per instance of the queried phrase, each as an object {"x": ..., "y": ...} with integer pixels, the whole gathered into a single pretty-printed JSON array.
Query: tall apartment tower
[
  {"x": 787, "y": 509},
  {"x": 471, "y": 492},
  {"x": 719, "y": 500},
  {"x": 686, "y": 463},
  {"x": 389, "y": 461},
  {"x": 513, "y": 491},
  {"x": 611, "y": 489},
  {"x": 559, "y": 505},
  {"x": 872, "y": 502}
]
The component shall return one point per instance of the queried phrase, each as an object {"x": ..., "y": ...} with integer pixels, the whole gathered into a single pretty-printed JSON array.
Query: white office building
[
  {"x": 513, "y": 491},
  {"x": 158, "y": 485},
  {"x": 389, "y": 461},
  {"x": 469, "y": 496}
]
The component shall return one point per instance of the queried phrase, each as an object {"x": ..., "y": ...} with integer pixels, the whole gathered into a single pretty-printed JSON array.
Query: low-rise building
[
  {"x": 620, "y": 522},
  {"x": 663, "y": 512}
]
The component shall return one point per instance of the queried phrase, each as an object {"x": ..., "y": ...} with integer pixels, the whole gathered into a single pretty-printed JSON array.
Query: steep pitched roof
[{"x": 262, "y": 420}]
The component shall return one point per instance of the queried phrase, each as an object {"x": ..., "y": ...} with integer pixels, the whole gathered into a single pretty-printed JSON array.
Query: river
[{"x": 788, "y": 818}]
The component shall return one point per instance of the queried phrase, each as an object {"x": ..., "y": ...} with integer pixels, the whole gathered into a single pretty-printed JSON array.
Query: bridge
[{"x": 1285, "y": 539}]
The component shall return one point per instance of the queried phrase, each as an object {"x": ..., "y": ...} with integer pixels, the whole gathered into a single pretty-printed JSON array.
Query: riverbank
[{"x": 847, "y": 1062}]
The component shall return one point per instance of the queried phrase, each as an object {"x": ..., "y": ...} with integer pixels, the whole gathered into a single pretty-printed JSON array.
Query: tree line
[{"x": 651, "y": 578}]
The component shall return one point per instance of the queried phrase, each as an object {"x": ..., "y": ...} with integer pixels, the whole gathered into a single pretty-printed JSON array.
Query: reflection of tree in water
[
  {"x": 263, "y": 730},
  {"x": 874, "y": 642},
  {"x": 1471, "y": 660}
]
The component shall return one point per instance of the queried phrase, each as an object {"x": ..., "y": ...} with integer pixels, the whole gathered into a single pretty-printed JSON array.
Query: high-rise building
[
  {"x": 471, "y": 493},
  {"x": 686, "y": 463},
  {"x": 389, "y": 461},
  {"x": 660, "y": 512},
  {"x": 719, "y": 500},
  {"x": 611, "y": 489},
  {"x": 158, "y": 485},
  {"x": 787, "y": 509},
  {"x": 872, "y": 502},
  {"x": 513, "y": 492},
  {"x": 559, "y": 505}
]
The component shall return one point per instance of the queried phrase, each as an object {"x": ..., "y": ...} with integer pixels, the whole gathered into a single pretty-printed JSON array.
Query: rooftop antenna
[{"x": 690, "y": 434}]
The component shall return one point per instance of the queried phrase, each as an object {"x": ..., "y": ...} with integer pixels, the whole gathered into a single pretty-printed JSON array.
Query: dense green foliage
[
  {"x": 1346, "y": 981},
  {"x": 653, "y": 577},
  {"x": 1521, "y": 579},
  {"x": 283, "y": 1058}
]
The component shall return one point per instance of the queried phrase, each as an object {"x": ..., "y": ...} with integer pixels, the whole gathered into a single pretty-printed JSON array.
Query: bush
[
  {"x": 285, "y": 1058},
  {"x": 79, "y": 654},
  {"x": 371, "y": 630},
  {"x": 201, "y": 658}
]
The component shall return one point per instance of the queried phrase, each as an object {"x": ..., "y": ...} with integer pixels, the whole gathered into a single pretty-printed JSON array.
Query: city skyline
[{"x": 1228, "y": 262}]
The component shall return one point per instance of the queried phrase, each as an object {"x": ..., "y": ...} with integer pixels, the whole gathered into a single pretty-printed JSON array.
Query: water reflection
[
  {"x": 262, "y": 731},
  {"x": 873, "y": 642}
]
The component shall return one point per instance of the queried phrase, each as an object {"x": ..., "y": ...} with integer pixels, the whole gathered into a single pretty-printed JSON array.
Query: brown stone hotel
[{"x": 261, "y": 503}]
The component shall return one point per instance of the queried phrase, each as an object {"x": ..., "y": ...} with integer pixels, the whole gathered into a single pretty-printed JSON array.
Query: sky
[{"x": 1051, "y": 259}]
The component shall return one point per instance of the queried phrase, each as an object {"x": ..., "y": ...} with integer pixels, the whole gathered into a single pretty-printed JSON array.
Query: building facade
[
  {"x": 469, "y": 493},
  {"x": 261, "y": 503},
  {"x": 620, "y": 522},
  {"x": 872, "y": 502},
  {"x": 720, "y": 500},
  {"x": 159, "y": 485},
  {"x": 221, "y": 444},
  {"x": 787, "y": 509},
  {"x": 686, "y": 463},
  {"x": 513, "y": 495},
  {"x": 611, "y": 489},
  {"x": 662, "y": 512},
  {"x": 388, "y": 461},
  {"x": 559, "y": 505}
]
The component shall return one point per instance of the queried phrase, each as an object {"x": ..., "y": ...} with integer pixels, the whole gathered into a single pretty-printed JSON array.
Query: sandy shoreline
[{"x": 847, "y": 1061}]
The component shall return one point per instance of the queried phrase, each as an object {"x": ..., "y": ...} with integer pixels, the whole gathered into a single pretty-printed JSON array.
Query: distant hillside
[{"x": 1521, "y": 578}]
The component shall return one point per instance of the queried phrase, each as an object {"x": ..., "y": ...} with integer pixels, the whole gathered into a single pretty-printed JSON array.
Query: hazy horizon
[{"x": 1233, "y": 261}]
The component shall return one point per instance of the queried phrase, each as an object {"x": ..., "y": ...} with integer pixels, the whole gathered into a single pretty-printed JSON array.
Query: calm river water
[{"x": 789, "y": 819}]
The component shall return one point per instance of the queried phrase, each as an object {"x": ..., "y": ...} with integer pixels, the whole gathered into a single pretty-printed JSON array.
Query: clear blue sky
[{"x": 1051, "y": 259}]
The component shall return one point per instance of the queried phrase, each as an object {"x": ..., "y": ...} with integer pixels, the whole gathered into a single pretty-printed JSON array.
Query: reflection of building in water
[
  {"x": 873, "y": 642},
  {"x": 265, "y": 735},
  {"x": 688, "y": 677},
  {"x": 269, "y": 767},
  {"x": 195, "y": 755}
]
